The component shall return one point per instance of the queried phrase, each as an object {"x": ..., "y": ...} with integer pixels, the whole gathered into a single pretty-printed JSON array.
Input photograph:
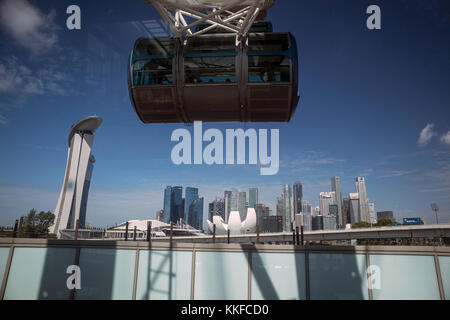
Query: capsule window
[
  {"x": 210, "y": 69},
  {"x": 268, "y": 42},
  {"x": 154, "y": 47},
  {"x": 153, "y": 72},
  {"x": 268, "y": 68}
]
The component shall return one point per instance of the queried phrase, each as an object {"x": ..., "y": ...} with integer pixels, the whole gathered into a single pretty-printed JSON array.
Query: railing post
[
  {"x": 293, "y": 237},
  {"x": 228, "y": 232},
  {"x": 301, "y": 235},
  {"x": 134, "y": 233},
  {"x": 149, "y": 230},
  {"x": 171, "y": 232},
  {"x": 257, "y": 234},
  {"x": 297, "y": 235},
  {"x": 214, "y": 233},
  {"x": 76, "y": 229},
  {"x": 126, "y": 231}
]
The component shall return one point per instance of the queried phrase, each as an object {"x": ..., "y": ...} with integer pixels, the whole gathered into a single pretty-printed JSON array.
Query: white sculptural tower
[{"x": 72, "y": 200}]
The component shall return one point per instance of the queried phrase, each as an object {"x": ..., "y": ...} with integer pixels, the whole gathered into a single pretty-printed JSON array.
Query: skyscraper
[
  {"x": 298, "y": 197},
  {"x": 72, "y": 202},
  {"x": 363, "y": 202},
  {"x": 227, "y": 199},
  {"x": 167, "y": 206},
  {"x": 355, "y": 214},
  {"x": 307, "y": 215},
  {"x": 326, "y": 198},
  {"x": 372, "y": 217},
  {"x": 346, "y": 211},
  {"x": 217, "y": 208},
  {"x": 252, "y": 197},
  {"x": 191, "y": 194},
  {"x": 287, "y": 207},
  {"x": 336, "y": 187},
  {"x": 196, "y": 214},
  {"x": 176, "y": 210},
  {"x": 242, "y": 204}
]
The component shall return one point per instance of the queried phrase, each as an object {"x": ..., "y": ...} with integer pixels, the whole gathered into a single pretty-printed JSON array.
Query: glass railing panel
[
  {"x": 444, "y": 265},
  {"x": 106, "y": 274},
  {"x": 164, "y": 275},
  {"x": 221, "y": 276},
  {"x": 4, "y": 251},
  {"x": 403, "y": 277},
  {"x": 39, "y": 273},
  {"x": 278, "y": 276},
  {"x": 338, "y": 276}
]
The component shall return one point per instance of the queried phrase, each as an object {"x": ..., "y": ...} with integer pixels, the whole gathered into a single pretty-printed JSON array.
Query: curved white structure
[
  {"x": 72, "y": 200},
  {"x": 235, "y": 225}
]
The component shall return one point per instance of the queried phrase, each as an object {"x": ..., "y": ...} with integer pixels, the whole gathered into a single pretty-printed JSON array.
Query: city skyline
[{"x": 356, "y": 87}]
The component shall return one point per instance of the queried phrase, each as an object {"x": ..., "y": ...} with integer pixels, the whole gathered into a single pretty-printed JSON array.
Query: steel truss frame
[{"x": 232, "y": 17}]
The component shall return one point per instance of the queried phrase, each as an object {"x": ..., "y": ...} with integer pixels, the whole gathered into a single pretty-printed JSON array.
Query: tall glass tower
[
  {"x": 298, "y": 197},
  {"x": 336, "y": 187},
  {"x": 252, "y": 197},
  {"x": 167, "y": 204},
  {"x": 191, "y": 194},
  {"x": 287, "y": 206},
  {"x": 363, "y": 203},
  {"x": 176, "y": 210}
]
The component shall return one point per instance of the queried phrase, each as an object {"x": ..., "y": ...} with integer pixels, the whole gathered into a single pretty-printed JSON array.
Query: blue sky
[{"x": 373, "y": 104}]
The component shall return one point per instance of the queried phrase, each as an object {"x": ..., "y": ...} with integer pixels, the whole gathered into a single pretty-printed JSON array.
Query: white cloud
[
  {"x": 446, "y": 138},
  {"x": 30, "y": 27},
  {"x": 425, "y": 135}
]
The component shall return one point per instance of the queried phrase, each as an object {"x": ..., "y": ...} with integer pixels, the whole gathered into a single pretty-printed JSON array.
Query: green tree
[
  {"x": 36, "y": 225},
  {"x": 361, "y": 224},
  {"x": 384, "y": 222}
]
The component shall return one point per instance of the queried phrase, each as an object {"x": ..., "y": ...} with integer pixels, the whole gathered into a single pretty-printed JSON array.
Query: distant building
[
  {"x": 326, "y": 198},
  {"x": 72, "y": 202},
  {"x": 279, "y": 207},
  {"x": 238, "y": 203},
  {"x": 346, "y": 211},
  {"x": 329, "y": 223},
  {"x": 287, "y": 207},
  {"x": 385, "y": 215},
  {"x": 336, "y": 188},
  {"x": 227, "y": 199},
  {"x": 261, "y": 211},
  {"x": 354, "y": 208},
  {"x": 271, "y": 224},
  {"x": 191, "y": 194},
  {"x": 159, "y": 215},
  {"x": 196, "y": 214},
  {"x": 252, "y": 197},
  {"x": 217, "y": 208},
  {"x": 307, "y": 215},
  {"x": 363, "y": 202},
  {"x": 317, "y": 223},
  {"x": 372, "y": 213},
  {"x": 298, "y": 197}
]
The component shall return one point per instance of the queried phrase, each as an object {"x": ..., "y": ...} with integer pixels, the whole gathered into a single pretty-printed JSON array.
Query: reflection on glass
[
  {"x": 164, "y": 275},
  {"x": 278, "y": 276},
  {"x": 338, "y": 276},
  {"x": 3, "y": 260},
  {"x": 39, "y": 273},
  {"x": 221, "y": 276},
  {"x": 444, "y": 265},
  {"x": 152, "y": 72},
  {"x": 268, "y": 68},
  {"x": 106, "y": 274},
  {"x": 210, "y": 70},
  {"x": 405, "y": 277}
]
